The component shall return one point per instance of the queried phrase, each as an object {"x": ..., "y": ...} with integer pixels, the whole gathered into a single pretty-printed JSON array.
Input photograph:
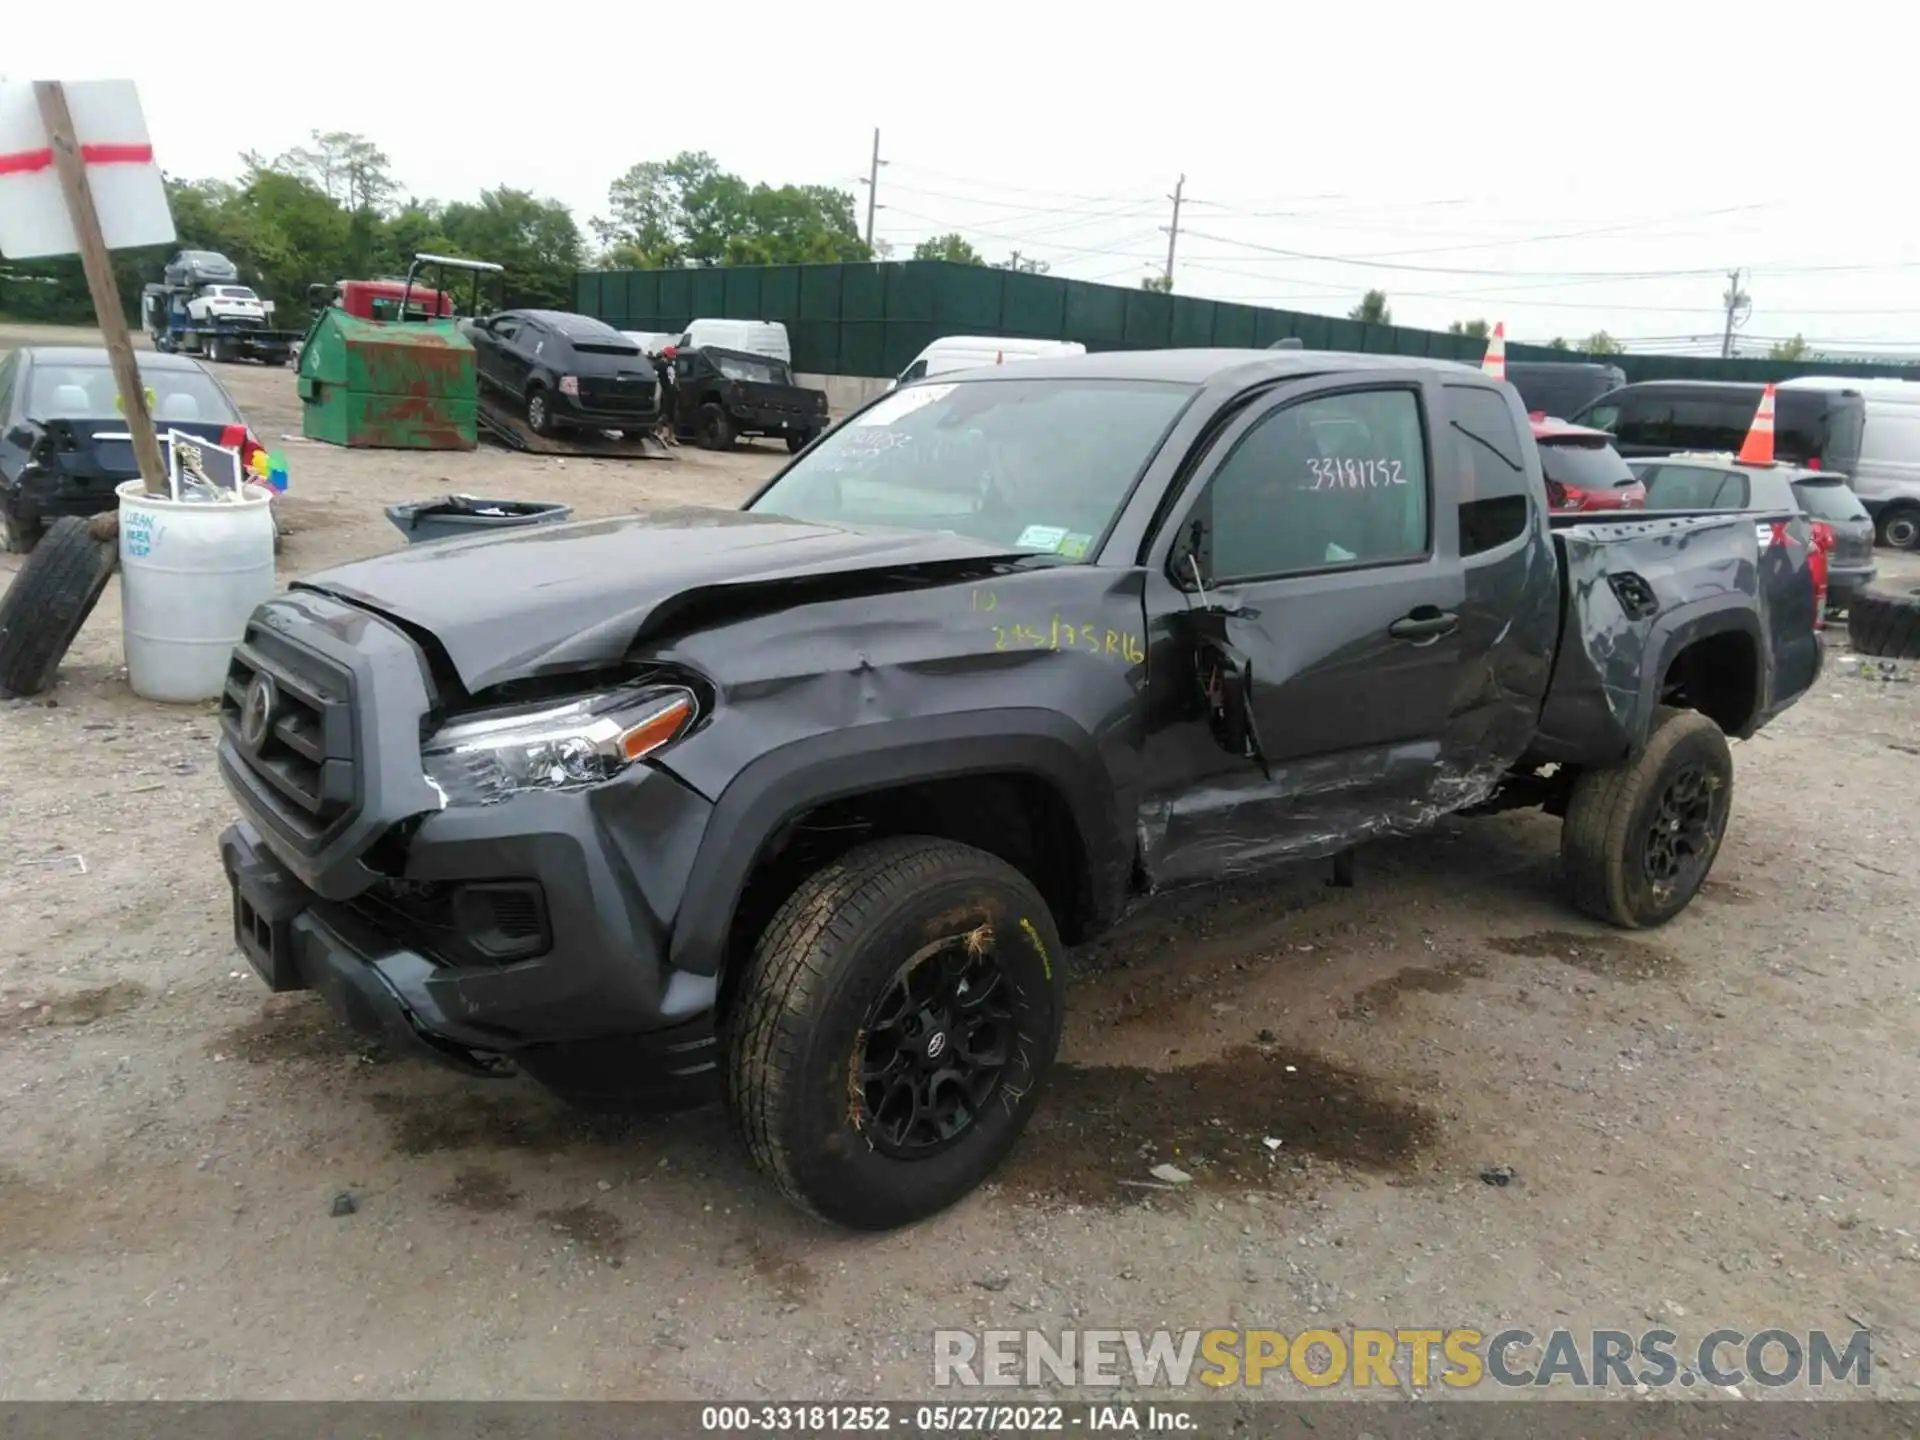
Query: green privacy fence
[{"x": 873, "y": 319}]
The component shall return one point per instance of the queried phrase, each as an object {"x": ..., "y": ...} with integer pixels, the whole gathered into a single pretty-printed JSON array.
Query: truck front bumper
[{"x": 662, "y": 1054}]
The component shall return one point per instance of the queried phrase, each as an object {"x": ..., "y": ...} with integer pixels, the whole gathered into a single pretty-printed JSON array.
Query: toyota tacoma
[{"x": 802, "y": 804}]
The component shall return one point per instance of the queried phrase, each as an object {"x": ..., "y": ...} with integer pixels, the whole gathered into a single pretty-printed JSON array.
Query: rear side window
[
  {"x": 1709, "y": 422},
  {"x": 1585, "y": 466},
  {"x": 1488, "y": 455},
  {"x": 1846, "y": 428},
  {"x": 1693, "y": 487},
  {"x": 1828, "y": 500}
]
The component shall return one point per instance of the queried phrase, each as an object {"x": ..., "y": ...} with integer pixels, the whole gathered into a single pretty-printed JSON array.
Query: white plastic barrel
[{"x": 190, "y": 575}]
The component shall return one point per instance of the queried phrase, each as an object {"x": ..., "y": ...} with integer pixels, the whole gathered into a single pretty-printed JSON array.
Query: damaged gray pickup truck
[{"x": 802, "y": 803}]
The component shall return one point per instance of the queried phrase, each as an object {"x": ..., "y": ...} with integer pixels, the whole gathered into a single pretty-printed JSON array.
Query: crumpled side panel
[{"x": 1247, "y": 824}]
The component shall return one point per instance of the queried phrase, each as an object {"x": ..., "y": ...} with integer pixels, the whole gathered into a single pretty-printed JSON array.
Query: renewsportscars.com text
[{"x": 1361, "y": 1358}]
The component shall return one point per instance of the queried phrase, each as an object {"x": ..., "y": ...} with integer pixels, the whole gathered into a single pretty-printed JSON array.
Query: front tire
[
  {"x": 893, "y": 1032},
  {"x": 1640, "y": 837}
]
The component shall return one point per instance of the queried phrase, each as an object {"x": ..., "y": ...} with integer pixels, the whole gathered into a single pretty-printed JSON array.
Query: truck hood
[{"x": 556, "y": 598}]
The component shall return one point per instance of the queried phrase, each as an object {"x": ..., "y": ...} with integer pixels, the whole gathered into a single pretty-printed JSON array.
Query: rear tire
[
  {"x": 1640, "y": 837},
  {"x": 716, "y": 428},
  {"x": 1885, "y": 623},
  {"x": 539, "y": 410},
  {"x": 216, "y": 349},
  {"x": 48, "y": 602},
  {"x": 894, "y": 1029},
  {"x": 797, "y": 443},
  {"x": 1899, "y": 529}
]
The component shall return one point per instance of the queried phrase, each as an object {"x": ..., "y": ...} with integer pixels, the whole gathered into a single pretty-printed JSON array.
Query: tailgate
[{"x": 782, "y": 399}]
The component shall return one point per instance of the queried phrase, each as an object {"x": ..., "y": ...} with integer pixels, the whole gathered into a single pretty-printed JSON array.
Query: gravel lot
[{"x": 1709, "y": 1125}]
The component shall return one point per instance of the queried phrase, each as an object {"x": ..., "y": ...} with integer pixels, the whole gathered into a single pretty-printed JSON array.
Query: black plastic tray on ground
[{"x": 451, "y": 516}]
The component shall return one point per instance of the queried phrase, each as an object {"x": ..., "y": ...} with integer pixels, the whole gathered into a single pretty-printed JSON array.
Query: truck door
[{"x": 1323, "y": 638}]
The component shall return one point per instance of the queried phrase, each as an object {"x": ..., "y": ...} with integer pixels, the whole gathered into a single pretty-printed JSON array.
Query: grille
[
  {"x": 305, "y": 753},
  {"x": 629, "y": 395},
  {"x": 492, "y": 922}
]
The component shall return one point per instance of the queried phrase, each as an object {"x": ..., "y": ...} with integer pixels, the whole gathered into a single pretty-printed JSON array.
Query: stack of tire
[
  {"x": 1885, "y": 623},
  {"x": 50, "y": 599}
]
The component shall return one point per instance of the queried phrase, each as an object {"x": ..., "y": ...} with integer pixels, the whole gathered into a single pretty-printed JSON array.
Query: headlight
[{"x": 560, "y": 747}]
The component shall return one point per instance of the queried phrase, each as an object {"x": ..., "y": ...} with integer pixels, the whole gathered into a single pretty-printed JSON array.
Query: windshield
[
  {"x": 1584, "y": 467},
  {"x": 1038, "y": 465},
  {"x": 1829, "y": 500},
  {"x": 757, "y": 369},
  {"x": 87, "y": 392}
]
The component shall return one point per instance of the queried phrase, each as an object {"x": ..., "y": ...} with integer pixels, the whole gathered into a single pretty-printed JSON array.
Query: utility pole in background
[
  {"x": 1739, "y": 305},
  {"x": 873, "y": 185},
  {"x": 1173, "y": 233}
]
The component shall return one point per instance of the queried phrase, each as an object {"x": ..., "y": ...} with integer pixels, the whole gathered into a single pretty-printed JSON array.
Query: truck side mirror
[{"x": 22, "y": 436}]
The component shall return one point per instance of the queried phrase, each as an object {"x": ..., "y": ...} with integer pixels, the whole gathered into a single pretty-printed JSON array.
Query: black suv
[
  {"x": 721, "y": 394},
  {"x": 1817, "y": 429},
  {"x": 1560, "y": 388},
  {"x": 565, "y": 370}
]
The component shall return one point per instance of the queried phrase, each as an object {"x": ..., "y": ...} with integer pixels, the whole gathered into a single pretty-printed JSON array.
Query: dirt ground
[{"x": 1716, "y": 1124}]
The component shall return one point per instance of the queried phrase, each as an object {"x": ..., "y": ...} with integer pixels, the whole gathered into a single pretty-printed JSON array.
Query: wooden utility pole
[
  {"x": 873, "y": 186},
  {"x": 1173, "y": 232},
  {"x": 97, "y": 261}
]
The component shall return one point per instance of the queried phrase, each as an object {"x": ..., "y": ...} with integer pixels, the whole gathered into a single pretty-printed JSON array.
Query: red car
[{"x": 1584, "y": 472}]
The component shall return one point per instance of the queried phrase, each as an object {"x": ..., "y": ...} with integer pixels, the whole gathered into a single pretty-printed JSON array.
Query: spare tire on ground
[
  {"x": 49, "y": 600},
  {"x": 1881, "y": 622}
]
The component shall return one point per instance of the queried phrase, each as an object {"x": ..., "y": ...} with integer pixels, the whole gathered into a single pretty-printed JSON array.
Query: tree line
[
  {"x": 332, "y": 209},
  {"x": 1374, "y": 310}
]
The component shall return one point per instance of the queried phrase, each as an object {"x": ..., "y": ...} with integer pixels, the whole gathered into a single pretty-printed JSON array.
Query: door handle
[{"x": 1424, "y": 625}]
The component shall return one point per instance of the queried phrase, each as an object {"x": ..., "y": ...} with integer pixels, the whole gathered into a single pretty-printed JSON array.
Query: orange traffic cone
[
  {"x": 1758, "y": 449},
  {"x": 1495, "y": 363}
]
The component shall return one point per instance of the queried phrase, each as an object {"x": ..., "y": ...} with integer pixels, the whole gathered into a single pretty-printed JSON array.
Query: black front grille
[
  {"x": 305, "y": 752},
  {"x": 490, "y": 922},
  {"x": 632, "y": 395}
]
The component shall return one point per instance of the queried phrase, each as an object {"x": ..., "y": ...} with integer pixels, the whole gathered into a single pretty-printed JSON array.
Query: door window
[
  {"x": 505, "y": 328},
  {"x": 1494, "y": 488},
  {"x": 913, "y": 372},
  {"x": 1335, "y": 481}
]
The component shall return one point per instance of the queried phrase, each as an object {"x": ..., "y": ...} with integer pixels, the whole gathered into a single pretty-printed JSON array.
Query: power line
[
  {"x": 1022, "y": 189},
  {"x": 1446, "y": 269}
]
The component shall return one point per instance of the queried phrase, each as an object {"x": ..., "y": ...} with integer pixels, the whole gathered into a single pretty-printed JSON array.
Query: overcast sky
[{"x": 1552, "y": 166}]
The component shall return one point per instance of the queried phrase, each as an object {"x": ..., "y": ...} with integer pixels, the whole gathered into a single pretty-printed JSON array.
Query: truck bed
[{"x": 1636, "y": 594}]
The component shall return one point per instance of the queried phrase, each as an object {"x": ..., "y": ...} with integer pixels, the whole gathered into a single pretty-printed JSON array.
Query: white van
[
  {"x": 964, "y": 352},
  {"x": 652, "y": 342},
  {"x": 751, "y": 337},
  {"x": 1887, "y": 475}
]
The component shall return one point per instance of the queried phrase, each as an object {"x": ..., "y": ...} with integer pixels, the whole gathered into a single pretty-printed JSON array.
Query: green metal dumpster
[{"x": 387, "y": 384}]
